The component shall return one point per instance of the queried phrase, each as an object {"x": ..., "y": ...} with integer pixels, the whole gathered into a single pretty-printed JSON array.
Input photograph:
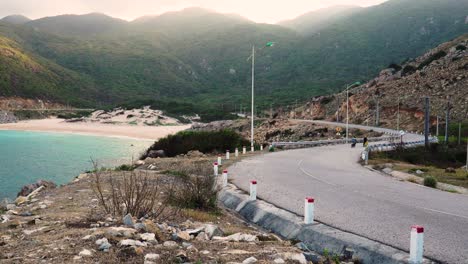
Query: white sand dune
[{"x": 130, "y": 131}]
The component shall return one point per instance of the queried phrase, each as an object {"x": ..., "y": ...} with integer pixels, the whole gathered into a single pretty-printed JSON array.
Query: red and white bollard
[
  {"x": 244, "y": 150},
  {"x": 253, "y": 190},
  {"x": 417, "y": 244},
  {"x": 215, "y": 168},
  {"x": 309, "y": 210},
  {"x": 227, "y": 154},
  {"x": 225, "y": 178},
  {"x": 236, "y": 153},
  {"x": 219, "y": 160}
]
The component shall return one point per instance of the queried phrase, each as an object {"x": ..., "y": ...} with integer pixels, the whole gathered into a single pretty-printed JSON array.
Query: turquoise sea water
[{"x": 26, "y": 157}]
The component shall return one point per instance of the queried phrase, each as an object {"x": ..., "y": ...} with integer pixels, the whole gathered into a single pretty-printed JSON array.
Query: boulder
[
  {"x": 21, "y": 200},
  {"x": 149, "y": 237},
  {"x": 103, "y": 244},
  {"x": 131, "y": 242},
  {"x": 27, "y": 189},
  {"x": 150, "y": 258},
  {"x": 85, "y": 253},
  {"x": 450, "y": 170},
  {"x": 170, "y": 244},
  {"x": 183, "y": 235},
  {"x": 128, "y": 220},
  {"x": 213, "y": 230},
  {"x": 237, "y": 237},
  {"x": 297, "y": 257},
  {"x": 250, "y": 260},
  {"x": 156, "y": 154},
  {"x": 121, "y": 232}
]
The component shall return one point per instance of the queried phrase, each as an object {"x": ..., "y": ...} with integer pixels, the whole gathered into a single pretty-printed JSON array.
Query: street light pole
[
  {"x": 347, "y": 107},
  {"x": 253, "y": 87}
]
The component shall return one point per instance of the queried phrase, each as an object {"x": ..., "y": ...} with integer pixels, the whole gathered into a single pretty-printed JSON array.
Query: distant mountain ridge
[
  {"x": 15, "y": 19},
  {"x": 314, "y": 21},
  {"x": 199, "y": 57}
]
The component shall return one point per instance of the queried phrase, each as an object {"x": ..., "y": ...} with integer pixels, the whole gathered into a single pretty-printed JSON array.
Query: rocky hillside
[{"x": 441, "y": 72}]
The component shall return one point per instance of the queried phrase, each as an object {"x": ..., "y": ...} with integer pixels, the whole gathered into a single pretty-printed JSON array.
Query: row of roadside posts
[{"x": 416, "y": 235}]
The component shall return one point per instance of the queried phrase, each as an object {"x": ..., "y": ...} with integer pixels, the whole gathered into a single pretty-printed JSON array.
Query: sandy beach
[{"x": 128, "y": 131}]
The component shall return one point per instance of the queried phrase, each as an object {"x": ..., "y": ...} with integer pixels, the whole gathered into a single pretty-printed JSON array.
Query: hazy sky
[{"x": 269, "y": 11}]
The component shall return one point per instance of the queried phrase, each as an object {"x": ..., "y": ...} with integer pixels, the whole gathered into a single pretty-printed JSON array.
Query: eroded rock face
[{"x": 27, "y": 189}]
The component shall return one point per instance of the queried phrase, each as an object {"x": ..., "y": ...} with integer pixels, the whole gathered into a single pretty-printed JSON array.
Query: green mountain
[
  {"x": 23, "y": 74},
  {"x": 199, "y": 57},
  {"x": 315, "y": 21},
  {"x": 15, "y": 19},
  {"x": 88, "y": 25}
]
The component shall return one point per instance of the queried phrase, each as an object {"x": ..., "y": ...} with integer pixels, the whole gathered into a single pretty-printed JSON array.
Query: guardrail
[
  {"x": 318, "y": 143},
  {"x": 391, "y": 146}
]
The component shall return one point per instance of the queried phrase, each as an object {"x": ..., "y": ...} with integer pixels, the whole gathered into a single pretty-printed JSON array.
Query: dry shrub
[
  {"x": 135, "y": 192},
  {"x": 196, "y": 186}
]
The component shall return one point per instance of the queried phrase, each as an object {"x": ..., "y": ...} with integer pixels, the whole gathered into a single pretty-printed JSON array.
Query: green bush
[
  {"x": 430, "y": 181},
  {"x": 204, "y": 141},
  {"x": 125, "y": 167}
]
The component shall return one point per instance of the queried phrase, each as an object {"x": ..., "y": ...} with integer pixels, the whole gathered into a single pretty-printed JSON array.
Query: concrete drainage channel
[{"x": 316, "y": 236}]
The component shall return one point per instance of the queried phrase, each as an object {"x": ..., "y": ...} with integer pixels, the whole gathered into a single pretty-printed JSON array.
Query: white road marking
[{"x": 310, "y": 175}]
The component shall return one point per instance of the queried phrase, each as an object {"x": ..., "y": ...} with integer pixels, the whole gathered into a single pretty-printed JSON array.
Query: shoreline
[{"x": 55, "y": 125}]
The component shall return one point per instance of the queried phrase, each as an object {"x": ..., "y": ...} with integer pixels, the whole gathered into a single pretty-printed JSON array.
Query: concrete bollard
[
  {"x": 227, "y": 154},
  {"x": 417, "y": 244},
  {"x": 244, "y": 150},
  {"x": 309, "y": 210},
  {"x": 236, "y": 153},
  {"x": 253, "y": 190},
  {"x": 261, "y": 147},
  {"x": 225, "y": 178},
  {"x": 219, "y": 160},
  {"x": 252, "y": 149},
  {"x": 215, "y": 168}
]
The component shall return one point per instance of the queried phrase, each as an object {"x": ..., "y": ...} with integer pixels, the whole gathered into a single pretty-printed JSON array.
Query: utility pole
[
  {"x": 347, "y": 113},
  {"x": 398, "y": 115},
  {"x": 447, "y": 121},
  {"x": 295, "y": 109},
  {"x": 426, "y": 123},
  {"x": 459, "y": 133},
  {"x": 253, "y": 87},
  {"x": 377, "y": 113},
  {"x": 271, "y": 110}
]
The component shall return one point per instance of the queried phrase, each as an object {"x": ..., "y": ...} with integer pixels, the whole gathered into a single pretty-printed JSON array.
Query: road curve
[{"x": 355, "y": 199}]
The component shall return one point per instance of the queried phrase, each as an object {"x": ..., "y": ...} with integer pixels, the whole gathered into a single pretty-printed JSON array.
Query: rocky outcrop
[
  {"x": 144, "y": 116},
  {"x": 27, "y": 189},
  {"x": 7, "y": 117}
]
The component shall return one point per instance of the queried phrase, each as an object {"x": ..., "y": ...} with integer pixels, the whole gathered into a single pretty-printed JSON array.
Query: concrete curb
[{"x": 316, "y": 236}]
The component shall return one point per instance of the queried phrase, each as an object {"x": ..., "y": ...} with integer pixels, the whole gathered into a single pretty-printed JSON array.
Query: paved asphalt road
[{"x": 355, "y": 199}]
